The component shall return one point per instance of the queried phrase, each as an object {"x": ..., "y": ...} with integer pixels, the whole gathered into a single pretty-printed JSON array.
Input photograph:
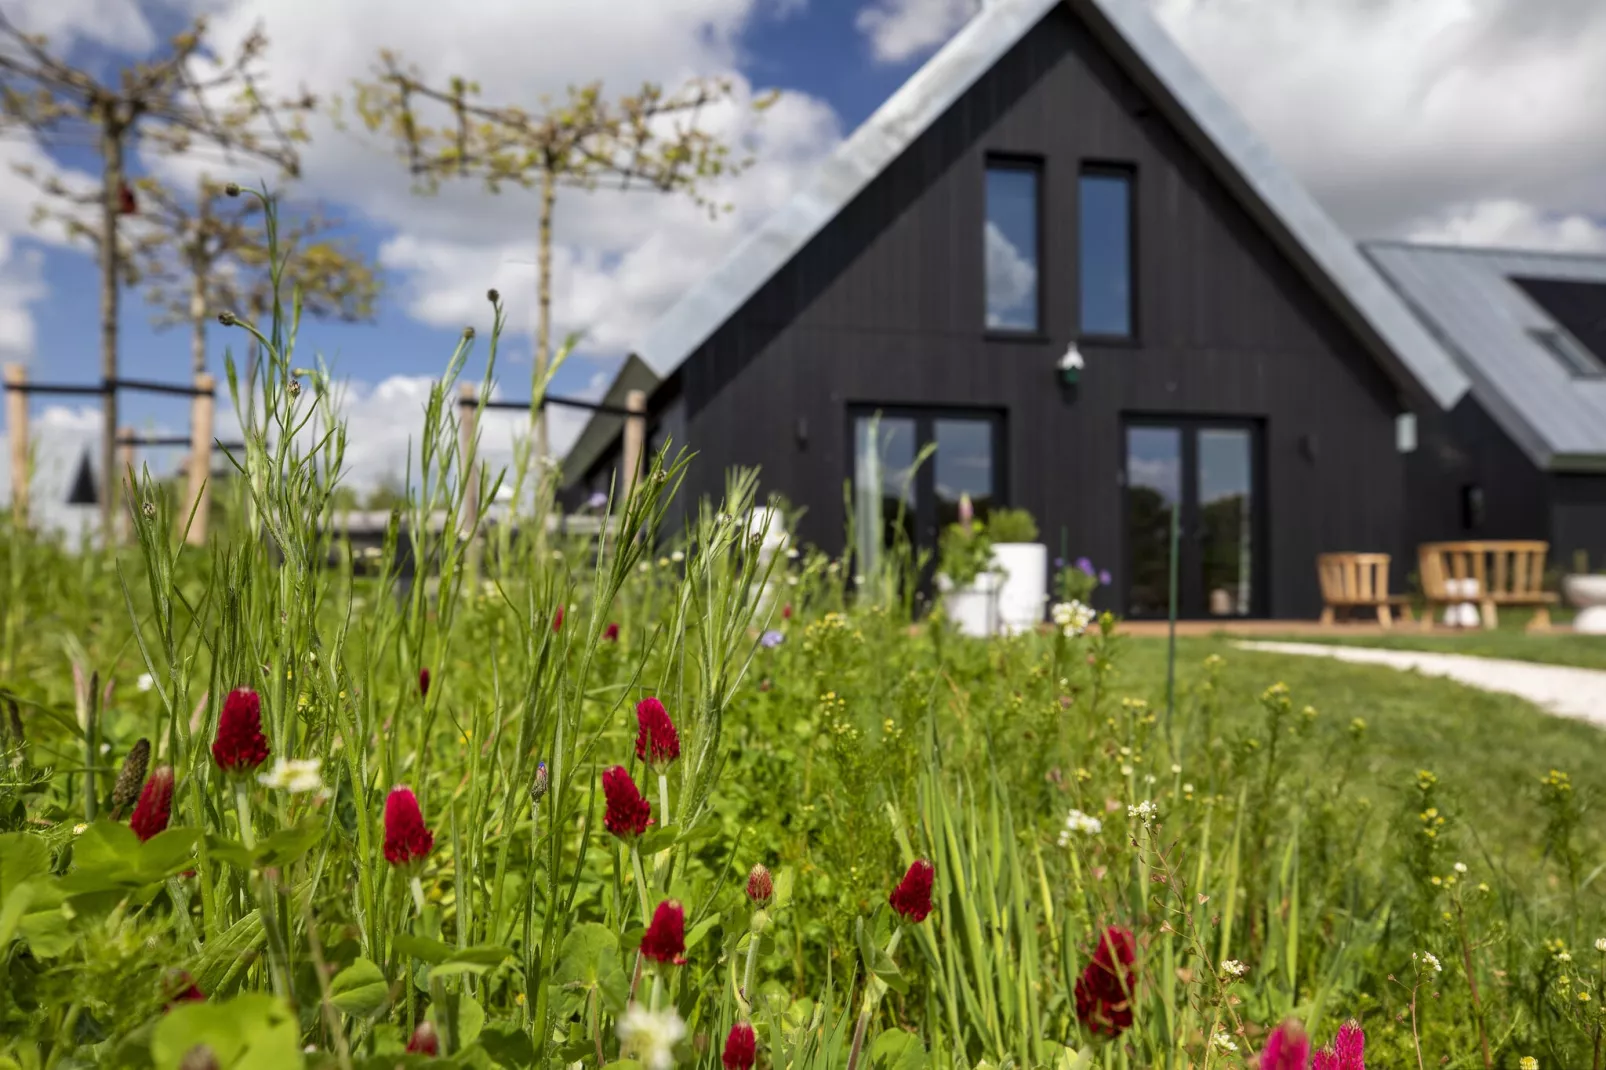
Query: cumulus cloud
[
  {"x": 1516, "y": 225},
  {"x": 901, "y": 29},
  {"x": 1011, "y": 281}
]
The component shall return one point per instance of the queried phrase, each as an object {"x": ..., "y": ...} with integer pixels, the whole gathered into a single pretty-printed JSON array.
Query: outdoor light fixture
[{"x": 1070, "y": 365}]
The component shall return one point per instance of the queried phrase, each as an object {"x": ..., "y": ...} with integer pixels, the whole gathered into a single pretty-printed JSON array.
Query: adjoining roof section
[
  {"x": 1329, "y": 256},
  {"x": 1488, "y": 322},
  {"x": 600, "y": 431},
  {"x": 1315, "y": 242}
]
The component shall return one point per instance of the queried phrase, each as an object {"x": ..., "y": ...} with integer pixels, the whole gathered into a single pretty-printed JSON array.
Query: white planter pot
[
  {"x": 1025, "y": 586},
  {"x": 973, "y": 608},
  {"x": 1465, "y": 614},
  {"x": 1588, "y": 595}
]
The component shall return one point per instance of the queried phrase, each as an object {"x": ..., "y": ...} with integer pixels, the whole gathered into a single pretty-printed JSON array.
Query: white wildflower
[
  {"x": 651, "y": 1035},
  {"x": 1072, "y": 617},
  {"x": 1175, "y": 769},
  {"x": 677, "y": 557},
  {"x": 1126, "y": 770},
  {"x": 1223, "y": 1042},
  {"x": 1143, "y": 811},
  {"x": 295, "y": 775},
  {"x": 1562, "y": 956},
  {"x": 1600, "y": 945},
  {"x": 146, "y": 681},
  {"x": 1234, "y": 968},
  {"x": 1428, "y": 959},
  {"x": 791, "y": 553},
  {"x": 1187, "y": 789},
  {"x": 78, "y": 829},
  {"x": 1076, "y": 821},
  {"x": 1460, "y": 867}
]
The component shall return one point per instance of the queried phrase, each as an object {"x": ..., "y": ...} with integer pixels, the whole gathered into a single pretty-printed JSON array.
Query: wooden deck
[{"x": 1253, "y": 628}]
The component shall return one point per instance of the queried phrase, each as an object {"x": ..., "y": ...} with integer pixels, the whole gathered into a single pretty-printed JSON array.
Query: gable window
[
  {"x": 1579, "y": 362},
  {"x": 1104, "y": 229},
  {"x": 1011, "y": 264}
]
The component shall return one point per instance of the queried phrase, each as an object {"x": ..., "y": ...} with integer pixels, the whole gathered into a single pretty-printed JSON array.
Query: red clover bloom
[
  {"x": 155, "y": 806},
  {"x": 1348, "y": 1051},
  {"x": 180, "y": 987},
  {"x": 240, "y": 745},
  {"x": 1104, "y": 991},
  {"x": 665, "y": 939},
  {"x": 628, "y": 814},
  {"x": 423, "y": 683},
  {"x": 741, "y": 1048},
  {"x": 611, "y": 633},
  {"x": 557, "y": 620},
  {"x": 424, "y": 1040},
  {"x": 1286, "y": 1049},
  {"x": 406, "y": 838},
  {"x": 760, "y": 886},
  {"x": 912, "y": 896},
  {"x": 657, "y": 742}
]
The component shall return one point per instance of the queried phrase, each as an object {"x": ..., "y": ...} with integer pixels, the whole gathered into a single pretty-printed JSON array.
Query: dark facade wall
[
  {"x": 886, "y": 307},
  {"x": 1578, "y": 519}
]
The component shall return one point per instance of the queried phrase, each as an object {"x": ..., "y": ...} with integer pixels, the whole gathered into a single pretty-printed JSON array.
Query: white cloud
[
  {"x": 899, "y": 30},
  {"x": 1514, "y": 225},
  {"x": 1011, "y": 281},
  {"x": 21, "y": 286},
  {"x": 619, "y": 258}
]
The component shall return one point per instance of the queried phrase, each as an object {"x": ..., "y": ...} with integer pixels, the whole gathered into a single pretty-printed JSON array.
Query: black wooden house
[{"x": 1057, "y": 187}]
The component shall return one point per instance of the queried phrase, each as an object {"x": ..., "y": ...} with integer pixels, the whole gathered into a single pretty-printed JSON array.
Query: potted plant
[
  {"x": 1586, "y": 593},
  {"x": 965, "y": 575},
  {"x": 1023, "y": 561}
]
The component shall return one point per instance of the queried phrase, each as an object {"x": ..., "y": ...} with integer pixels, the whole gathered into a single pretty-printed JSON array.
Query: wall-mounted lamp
[{"x": 1070, "y": 365}]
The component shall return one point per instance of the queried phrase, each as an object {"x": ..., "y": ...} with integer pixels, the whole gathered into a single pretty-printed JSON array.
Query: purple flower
[
  {"x": 1104, "y": 577},
  {"x": 1059, "y": 562},
  {"x": 771, "y": 638},
  {"x": 597, "y": 500},
  {"x": 1085, "y": 564}
]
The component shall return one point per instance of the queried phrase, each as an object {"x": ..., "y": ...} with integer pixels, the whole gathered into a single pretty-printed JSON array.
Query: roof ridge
[{"x": 1481, "y": 250}]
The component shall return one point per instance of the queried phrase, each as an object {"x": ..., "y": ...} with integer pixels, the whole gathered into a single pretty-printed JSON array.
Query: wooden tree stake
[
  {"x": 17, "y": 429},
  {"x": 467, "y": 415},
  {"x": 200, "y": 495},
  {"x": 635, "y": 437}
]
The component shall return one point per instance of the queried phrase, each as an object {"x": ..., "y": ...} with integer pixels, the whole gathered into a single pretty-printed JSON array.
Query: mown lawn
[
  {"x": 1507, "y": 641},
  {"x": 1488, "y": 750}
]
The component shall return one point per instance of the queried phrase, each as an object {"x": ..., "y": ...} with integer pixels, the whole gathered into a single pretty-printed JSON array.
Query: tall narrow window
[
  {"x": 1010, "y": 247},
  {"x": 1105, "y": 231}
]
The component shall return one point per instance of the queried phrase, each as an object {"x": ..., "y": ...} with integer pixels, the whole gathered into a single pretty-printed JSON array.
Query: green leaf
[
  {"x": 700, "y": 930},
  {"x": 11, "y": 910},
  {"x": 166, "y": 853},
  {"x": 470, "y": 1020},
  {"x": 589, "y": 960},
  {"x": 250, "y": 1032},
  {"x": 421, "y": 947},
  {"x": 474, "y": 960},
  {"x": 703, "y": 830},
  {"x": 508, "y": 1046},
  {"x": 360, "y": 989},
  {"x": 228, "y": 850},
  {"x": 106, "y": 847},
  {"x": 655, "y": 841},
  {"x": 783, "y": 888},
  {"x": 898, "y": 1050},
  {"x": 288, "y": 845},
  {"x": 23, "y": 856}
]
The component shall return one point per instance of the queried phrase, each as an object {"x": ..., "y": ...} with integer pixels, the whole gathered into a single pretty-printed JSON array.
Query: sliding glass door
[{"x": 1206, "y": 474}]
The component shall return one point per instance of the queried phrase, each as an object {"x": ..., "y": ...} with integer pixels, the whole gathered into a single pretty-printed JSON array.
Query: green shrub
[{"x": 1012, "y": 525}]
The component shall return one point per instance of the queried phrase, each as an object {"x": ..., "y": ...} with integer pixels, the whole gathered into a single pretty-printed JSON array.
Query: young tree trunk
[
  {"x": 111, "y": 205},
  {"x": 543, "y": 312},
  {"x": 198, "y": 269}
]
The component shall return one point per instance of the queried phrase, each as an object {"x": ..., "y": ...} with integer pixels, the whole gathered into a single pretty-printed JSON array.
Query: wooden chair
[
  {"x": 1507, "y": 573},
  {"x": 1358, "y": 581}
]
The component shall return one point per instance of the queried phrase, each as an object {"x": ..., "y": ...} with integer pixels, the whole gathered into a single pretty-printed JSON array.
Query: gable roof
[
  {"x": 1322, "y": 251},
  {"x": 1467, "y": 296},
  {"x": 603, "y": 427}
]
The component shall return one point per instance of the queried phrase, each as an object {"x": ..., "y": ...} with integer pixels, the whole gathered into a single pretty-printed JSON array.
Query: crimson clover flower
[
  {"x": 1104, "y": 990},
  {"x": 1286, "y": 1049},
  {"x": 611, "y": 633},
  {"x": 760, "y": 886},
  {"x": 557, "y": 620},
  {"x": 741, "y": 1048},
  {"x": 657, "y": 742},
  {"x": 1348, "y": 1051},
  {"x": 628, "y": 814},
  {"x": 155, "y": 806},
  {"x": 423, "y": 683},
  {"x": 180, "y": 987},
  {"x": 912, "y": 896},
  {"x": 424, "y": 1041},
  {"x": 240, "y": 745},
  {"x": 786, "y": 611},
  {"x": 665, "y": 939},
  {"x": 407, "y": 840}
]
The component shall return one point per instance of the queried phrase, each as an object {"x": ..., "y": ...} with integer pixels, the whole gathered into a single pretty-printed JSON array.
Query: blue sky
[{"x": 1440, "y": 121}]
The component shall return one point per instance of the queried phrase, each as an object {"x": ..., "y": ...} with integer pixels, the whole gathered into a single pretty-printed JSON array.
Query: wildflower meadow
[{"x": 653, "y": 799}]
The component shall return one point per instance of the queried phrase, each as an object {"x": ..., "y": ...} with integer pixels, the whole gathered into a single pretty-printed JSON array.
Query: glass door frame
[
  {"x": 1192, "y": 599},
  {"x": 925, "y": 419}
]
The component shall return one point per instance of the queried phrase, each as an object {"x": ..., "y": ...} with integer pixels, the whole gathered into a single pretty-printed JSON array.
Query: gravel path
[{"x": 1560, "y": 689}]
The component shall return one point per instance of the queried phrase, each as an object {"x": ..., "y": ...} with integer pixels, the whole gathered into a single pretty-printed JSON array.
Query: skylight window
[{"x": 1579, "y": 362}]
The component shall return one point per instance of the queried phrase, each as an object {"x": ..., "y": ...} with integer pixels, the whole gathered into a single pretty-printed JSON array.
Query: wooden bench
[
  {"x": 1507, "y": 573},
  {"x": 1358, "y": 581}
]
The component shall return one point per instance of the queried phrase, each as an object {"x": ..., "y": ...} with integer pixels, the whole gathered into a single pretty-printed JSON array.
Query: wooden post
[
  {"x": 467, "y": 417},
  {"x": 17, "y": 429},
  {"x": 200, "y": 497},
  {"x": 125, "y": 479},
  {"x": 635, "y": 437}
]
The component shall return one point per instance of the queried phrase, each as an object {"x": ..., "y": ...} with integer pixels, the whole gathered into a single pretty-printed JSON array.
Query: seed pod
[
  {"x": 131, "y": 778},
  {"x": 538, "y": 789}
]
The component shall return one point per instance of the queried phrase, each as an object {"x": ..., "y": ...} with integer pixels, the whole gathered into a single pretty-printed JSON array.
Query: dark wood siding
[
  {"x": 1578, "y": 520},
  {"x": 886, "y": 306}
]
